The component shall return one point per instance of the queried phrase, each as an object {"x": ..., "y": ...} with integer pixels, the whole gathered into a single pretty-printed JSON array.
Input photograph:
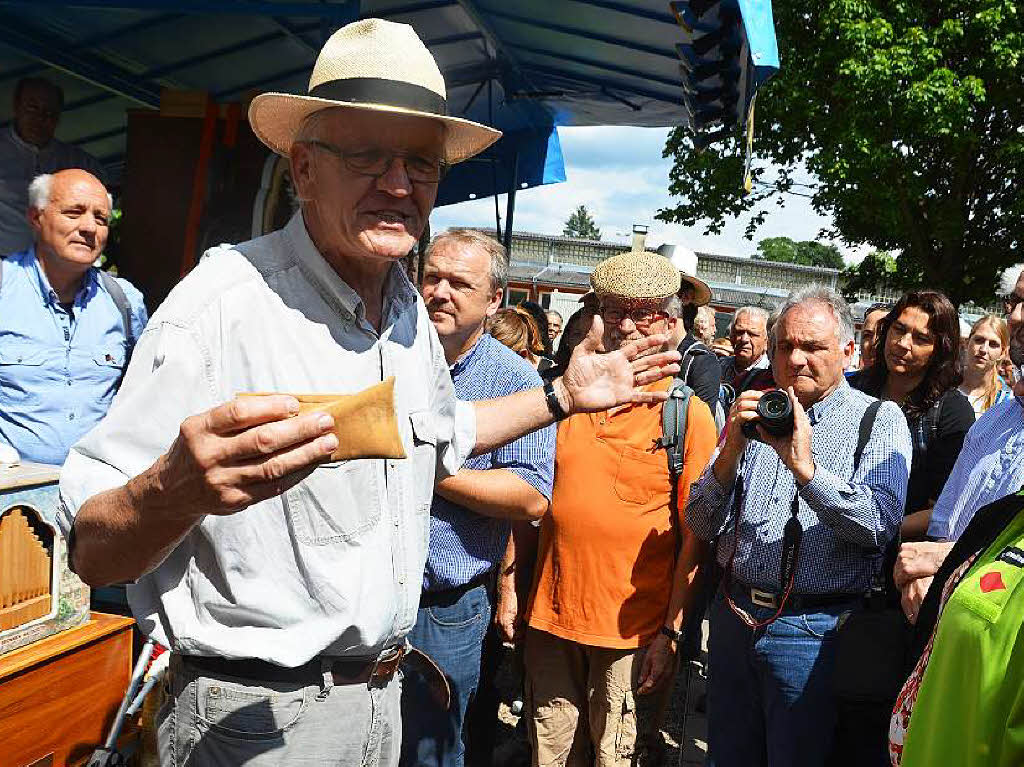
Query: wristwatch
[
  {"x": 671, "y": 633},
  {"x": 554, "y": 406}
]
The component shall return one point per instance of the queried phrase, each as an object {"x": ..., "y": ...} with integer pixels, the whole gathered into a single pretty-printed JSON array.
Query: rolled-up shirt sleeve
[
  {"x": 455, "y": 421},
  {"x": 867, "y": 509},
  {"x": 707, "y": 509},
  {"x": 168, "y": 380}
]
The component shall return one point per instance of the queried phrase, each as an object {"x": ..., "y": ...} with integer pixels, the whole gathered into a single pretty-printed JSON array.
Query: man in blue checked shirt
[
  {"x": 770, "y": 696},
  {"x": 464, "y": 279},
  {"x": 64, "y": 342}
]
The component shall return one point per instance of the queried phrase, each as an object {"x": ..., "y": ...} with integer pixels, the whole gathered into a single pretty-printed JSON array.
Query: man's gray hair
[
  {"x": 753, "y": 311},
  {"x": 39, "y": 191},
  {"x": 1008, "y": 279},
  {"x": 41, "y": 187},
  {"x": 471, "y": 238},
  {"x": 821, "y": 295}
]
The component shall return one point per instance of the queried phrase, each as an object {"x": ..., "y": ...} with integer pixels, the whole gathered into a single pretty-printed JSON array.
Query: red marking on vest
[{"x": 991, "y": 582}]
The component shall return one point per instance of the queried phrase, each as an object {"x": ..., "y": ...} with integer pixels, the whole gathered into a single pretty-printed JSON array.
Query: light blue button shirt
[
  {"x": 990, "y": 466},
  {"x": 59, "y": 370}
]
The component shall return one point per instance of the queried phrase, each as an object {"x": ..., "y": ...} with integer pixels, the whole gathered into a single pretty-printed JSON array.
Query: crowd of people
[{"x": 850, "y": 521}]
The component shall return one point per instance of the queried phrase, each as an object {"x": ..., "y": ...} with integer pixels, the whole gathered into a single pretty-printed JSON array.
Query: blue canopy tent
[{"x": 524, "y": 67}]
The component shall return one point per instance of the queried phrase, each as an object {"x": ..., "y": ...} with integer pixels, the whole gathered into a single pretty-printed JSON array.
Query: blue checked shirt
[
  {"x": 463, "y": 544},
  {"x": 990, "y": 466},
  {"x": 847, "y": 518},
  {"x": 58, "y": 370}
]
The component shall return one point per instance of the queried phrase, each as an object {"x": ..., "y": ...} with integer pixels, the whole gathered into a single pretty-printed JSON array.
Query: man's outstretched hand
[{"x": 595, "y": 381}]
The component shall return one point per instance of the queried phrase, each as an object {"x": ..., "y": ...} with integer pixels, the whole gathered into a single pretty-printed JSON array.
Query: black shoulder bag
[{"x": 872, "y": 641}]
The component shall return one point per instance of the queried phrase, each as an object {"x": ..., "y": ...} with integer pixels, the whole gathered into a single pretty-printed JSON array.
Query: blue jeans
[
  {"x": 452, "y": 633},
  {"x": 770, "y": 698}
]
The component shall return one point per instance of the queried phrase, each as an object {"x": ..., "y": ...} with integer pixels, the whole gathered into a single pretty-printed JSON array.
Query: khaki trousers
[{"x": 582, "y": 706}]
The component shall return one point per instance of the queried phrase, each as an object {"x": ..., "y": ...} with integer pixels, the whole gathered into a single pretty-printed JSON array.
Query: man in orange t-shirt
[{"x": 616, "y": 561}]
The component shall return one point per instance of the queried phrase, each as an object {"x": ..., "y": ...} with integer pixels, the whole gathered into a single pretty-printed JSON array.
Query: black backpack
[{"x": 693, "y": 351}]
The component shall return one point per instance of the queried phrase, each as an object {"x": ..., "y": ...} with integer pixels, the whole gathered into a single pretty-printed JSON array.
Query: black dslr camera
[{"x": 774, "y": 413}]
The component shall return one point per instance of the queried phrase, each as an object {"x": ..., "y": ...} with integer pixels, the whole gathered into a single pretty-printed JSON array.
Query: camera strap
[
  {"x": 792, "y": 533},
  {"x": 791, "y": 537}
]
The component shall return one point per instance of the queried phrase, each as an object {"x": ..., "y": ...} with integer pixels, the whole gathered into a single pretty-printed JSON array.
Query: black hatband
[{"x": 376, "y": 90}]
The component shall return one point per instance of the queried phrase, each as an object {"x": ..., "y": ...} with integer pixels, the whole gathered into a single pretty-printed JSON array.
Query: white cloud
[{"x": 620, "y": 175}]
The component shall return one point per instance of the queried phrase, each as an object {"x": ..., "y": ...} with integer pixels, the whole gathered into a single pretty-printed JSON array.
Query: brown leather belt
[{"x": 374, "y": 671}]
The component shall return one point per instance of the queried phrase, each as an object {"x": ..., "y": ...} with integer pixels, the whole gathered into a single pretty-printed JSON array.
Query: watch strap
[
  {"x": 554, "y": 406},
  {"x": 671, "y": 633}
]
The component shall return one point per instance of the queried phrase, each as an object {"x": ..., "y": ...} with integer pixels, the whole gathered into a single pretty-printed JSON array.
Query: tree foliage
[
  {"x": 582, "y": 225},
  {"x": 909, "y": 117},
  {"x": 879, "y": 272},
  {"x": 808, "y": 252}
]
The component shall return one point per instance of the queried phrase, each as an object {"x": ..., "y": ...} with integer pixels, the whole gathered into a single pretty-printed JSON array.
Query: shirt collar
[
  {"x": 823, "y": 407},
  {"x": 47, "y": 293},
  {"x": 466, "y": 359},
  {"x": 24, "y": 145},
  {"x": 398, "y": 290}
]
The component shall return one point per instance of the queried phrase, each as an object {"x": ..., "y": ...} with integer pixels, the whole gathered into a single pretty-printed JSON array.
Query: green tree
[
  {"x": 581, "y": 224},
  {"x": 909, "y": 117},
  {"x": 878, "y": 272},
  {"x": 808, "y": 252}
]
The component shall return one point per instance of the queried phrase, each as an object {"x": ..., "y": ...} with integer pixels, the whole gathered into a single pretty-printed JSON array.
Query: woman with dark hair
[{"x": 917, "y": 364}]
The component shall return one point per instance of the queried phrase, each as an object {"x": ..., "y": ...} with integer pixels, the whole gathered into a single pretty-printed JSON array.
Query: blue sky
[{"x": 620, "y": 175}]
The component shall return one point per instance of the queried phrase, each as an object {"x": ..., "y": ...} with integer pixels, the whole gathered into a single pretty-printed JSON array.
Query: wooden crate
[{"x": 59, "y": 696}]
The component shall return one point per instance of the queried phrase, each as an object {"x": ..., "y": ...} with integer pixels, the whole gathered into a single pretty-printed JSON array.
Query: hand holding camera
[{"x": 776, "y": 418}]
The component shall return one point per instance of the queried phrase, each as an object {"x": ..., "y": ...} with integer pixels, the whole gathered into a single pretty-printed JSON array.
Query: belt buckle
[
  {"x": 763, "y": 598},
  {"x": 386, "y": 665}
]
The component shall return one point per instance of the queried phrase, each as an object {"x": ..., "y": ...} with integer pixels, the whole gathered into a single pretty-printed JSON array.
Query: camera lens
[{"x": 775, "y": 412}]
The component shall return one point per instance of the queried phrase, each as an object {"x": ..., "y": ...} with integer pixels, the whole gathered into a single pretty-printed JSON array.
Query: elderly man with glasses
[
  {"x": 278, "y": 554},
  {"x": 616, "y": 561}
]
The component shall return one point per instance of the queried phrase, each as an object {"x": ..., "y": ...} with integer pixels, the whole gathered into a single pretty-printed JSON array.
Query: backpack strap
[
  {"x": 867, "y": 423},
  {"x": 693, "y": 350},
  {"x": 121, "y": 302},
  {"x": 674, "y": 415}
]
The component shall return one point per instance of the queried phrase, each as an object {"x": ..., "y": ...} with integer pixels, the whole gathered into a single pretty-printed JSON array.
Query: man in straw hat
[
  {"x": 615, "y": 560},
  {"x": 284, "y": 583}
]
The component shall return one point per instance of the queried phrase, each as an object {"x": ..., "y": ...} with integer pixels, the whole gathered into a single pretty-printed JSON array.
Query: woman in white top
[{"x": 988, "y": 342}]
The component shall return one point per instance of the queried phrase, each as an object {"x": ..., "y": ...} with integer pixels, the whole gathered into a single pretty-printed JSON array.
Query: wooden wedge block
[{"x": 364, "y": 423}]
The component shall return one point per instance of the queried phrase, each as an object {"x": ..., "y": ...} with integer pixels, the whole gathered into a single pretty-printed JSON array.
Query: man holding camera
[{"x": 801, "y": 526}]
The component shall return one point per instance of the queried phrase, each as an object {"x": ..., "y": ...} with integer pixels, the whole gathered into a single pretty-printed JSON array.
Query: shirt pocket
[
  {"x": 640, "y": 476},
  {"x": 337, "y": 503},
  {"x": 986, "y": 591},
  {"x": 100, "y": 366},
  {"x": 22, "y": 373}
]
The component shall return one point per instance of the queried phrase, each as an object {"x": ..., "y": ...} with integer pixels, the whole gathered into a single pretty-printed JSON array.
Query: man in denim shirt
[
  {"x": 463, "y": 282},
  {"x": 63, "y": 340}
]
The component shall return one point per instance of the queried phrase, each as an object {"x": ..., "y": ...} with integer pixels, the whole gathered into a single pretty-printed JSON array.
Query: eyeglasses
[
  {"x": 642, "y": 318},
  {"x": 375, "y": 162},
  {"x": 1012, "y": 301}
]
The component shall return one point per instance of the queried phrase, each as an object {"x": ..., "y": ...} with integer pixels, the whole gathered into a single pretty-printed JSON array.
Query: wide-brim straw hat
[
  {"x": 635, "y": 277},
  {"x": 685, "y": 260},
  {"x": 372, "y": 66}
]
